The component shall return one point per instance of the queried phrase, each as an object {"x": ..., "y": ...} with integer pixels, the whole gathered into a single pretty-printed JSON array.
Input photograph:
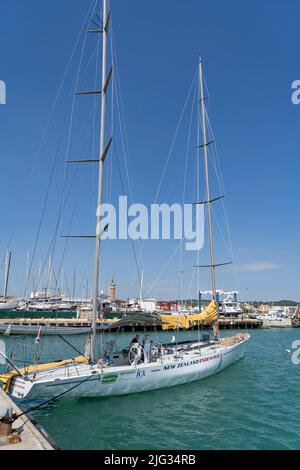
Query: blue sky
[{"x": 250, "y": 59}]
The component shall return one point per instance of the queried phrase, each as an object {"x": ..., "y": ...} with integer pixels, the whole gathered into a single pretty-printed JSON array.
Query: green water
[
  {"x": 32, "y": 315},
  {"x": 254, "y": 404}
]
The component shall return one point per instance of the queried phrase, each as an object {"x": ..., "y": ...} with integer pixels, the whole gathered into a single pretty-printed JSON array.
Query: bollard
[
  {"x": 13, "y": 438},
  {"x": 6, "y": 413}
]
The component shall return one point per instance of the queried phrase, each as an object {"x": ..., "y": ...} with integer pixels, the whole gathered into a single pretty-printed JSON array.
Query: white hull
[
  {"x": 277, "y": 323},
  {"x": 232, "y": 312},
  {"x": 9, "y": 305},
  {"x": 166, "y": 372}
]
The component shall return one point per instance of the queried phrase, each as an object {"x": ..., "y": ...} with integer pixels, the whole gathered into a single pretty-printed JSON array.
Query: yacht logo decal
[
  {"x": 109, "y": 379},
  {"x": 192, "y": 363},
  {"x": 140, "y": 373}
]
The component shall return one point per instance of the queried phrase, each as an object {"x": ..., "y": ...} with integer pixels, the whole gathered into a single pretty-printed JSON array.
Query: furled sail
[
  {"x": 7, "y": 377},
  {"x": 208, "y": 316}
]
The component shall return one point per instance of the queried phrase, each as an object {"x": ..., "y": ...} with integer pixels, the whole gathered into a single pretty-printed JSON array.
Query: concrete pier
[
  {"x": 137, "y": 322},
  {"x": 33, "y": 437}
]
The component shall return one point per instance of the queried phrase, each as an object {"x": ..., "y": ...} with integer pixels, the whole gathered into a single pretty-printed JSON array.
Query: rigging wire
[
  {"x": 62, "y": 201},
  {"x": 174, "y": 139},
  {"x": 217, "y": 168},
  {"x": 43, "y": 267},
  {"x": 55, "y": 156},
  {"x": 123, "y": 189},
  {"x": 52, "y": 111},
  {"x": 15, "y": 417},
  {"x": 185, "y": 184},
  {"x": 43, "y": 213},
  {"x": 216, "y": 163},
  {"x": 124, "y": 140},
  {"x": 165, "y": 169}
]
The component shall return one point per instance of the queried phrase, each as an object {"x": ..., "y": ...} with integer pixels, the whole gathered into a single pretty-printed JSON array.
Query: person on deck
[
  {"x": 135, "y": 350},
  {"x": 147, "y": 348},
  {"x": 136, "y": 339}
]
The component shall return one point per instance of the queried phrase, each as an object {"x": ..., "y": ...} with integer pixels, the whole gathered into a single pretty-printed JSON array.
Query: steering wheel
[{"x": 136, "y": 354}]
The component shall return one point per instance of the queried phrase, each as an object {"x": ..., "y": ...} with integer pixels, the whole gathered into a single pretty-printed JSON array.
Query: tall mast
[
  {"x": 141, "y": 289},
  {"x": 27, "y": 273},
  {"x": 7, "y": 269},
  {"x": 100, "y": 184},
  {"x": 39, "y": 285},
  {"x": 5, "y": 274},
  {"x": 62, "y": 280},
  {"x": 74, "y": 284},
  {"x": 205, "y": 146},
  {"x": 49, "y": 277}
]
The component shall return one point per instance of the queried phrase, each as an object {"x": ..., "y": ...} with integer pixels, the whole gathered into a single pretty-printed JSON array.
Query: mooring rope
[{"x": 15, "y": 417}]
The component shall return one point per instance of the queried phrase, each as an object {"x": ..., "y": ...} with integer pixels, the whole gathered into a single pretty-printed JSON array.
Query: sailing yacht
[
  {"x": 295, "y": 318},
  {"x": 137, "y": 368},
  {"x": 5, "y": 302},
  {"x": 8, "y": 304}
]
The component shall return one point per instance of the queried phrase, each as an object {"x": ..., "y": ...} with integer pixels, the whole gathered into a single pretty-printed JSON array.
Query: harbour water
[{"x": 254, "y": 404}]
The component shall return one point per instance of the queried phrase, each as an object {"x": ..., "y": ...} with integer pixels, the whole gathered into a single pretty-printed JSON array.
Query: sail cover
[{"x": 208, "y": 316}]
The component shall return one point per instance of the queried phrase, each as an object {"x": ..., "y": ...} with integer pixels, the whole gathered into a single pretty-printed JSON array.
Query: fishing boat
[{"x": 139, "y": 367}]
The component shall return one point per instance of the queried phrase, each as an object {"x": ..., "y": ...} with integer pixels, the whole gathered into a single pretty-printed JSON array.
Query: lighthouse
[{"x": 112, "y": 291}]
